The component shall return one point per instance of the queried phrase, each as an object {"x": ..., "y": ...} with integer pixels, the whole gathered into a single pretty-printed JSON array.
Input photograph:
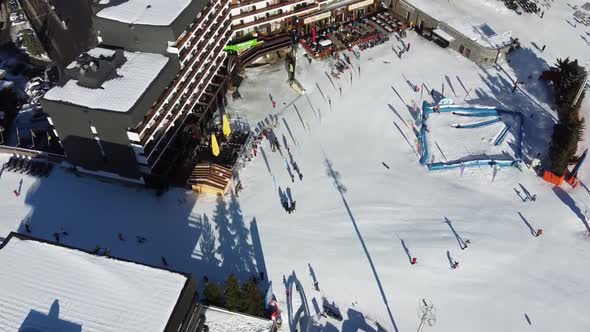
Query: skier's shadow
[
  {"x": 406, "y": 250},
  {"x": 450, "y": 259},
  {"x": 282, "y": 196},
  {"x": 289, "y": 196},
  {"x": 526, "y": 222},
  {"x": 462, "y": 243}
]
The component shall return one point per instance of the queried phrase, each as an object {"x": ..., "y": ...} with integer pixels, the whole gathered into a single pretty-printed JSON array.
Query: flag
[
  {"x": 214, "y": 145},
  {"x": 226, "y": 128}
]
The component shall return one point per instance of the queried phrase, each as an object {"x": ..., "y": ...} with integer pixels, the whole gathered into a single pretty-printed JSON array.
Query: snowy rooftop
[
  {"x": 455, "y": 16},
  {"x": 148, "y": 12},
  {"x": 220, "y": 320},
  {"x": 118, "y": 94},
  {"x": 46, "y": 287}
]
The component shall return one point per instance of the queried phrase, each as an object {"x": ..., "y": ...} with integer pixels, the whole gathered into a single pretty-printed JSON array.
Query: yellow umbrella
[
  {"x": 226, "y": 128},
  {"x": 214, "y": 145}
]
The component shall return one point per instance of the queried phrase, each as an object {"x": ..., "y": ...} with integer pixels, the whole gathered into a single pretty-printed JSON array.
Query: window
[
  {"x": 461, "y": 49},
  {"x": 467, "y": 52}
]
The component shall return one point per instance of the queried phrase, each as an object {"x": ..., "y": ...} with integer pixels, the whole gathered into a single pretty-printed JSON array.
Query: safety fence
[{"x": 475, "y": 112}]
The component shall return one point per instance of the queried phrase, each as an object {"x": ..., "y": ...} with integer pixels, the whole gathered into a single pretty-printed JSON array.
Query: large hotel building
[{"x": 122, "y": 107}]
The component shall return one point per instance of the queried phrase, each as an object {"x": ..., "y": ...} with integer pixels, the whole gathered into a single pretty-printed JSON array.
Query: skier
[
  {"x": 292, "y": 207},
  {"x": 286, "y": 206},
  {"x": 538, "y": 232},
  {"x": 261, "y": 274},
  {"x": 96, "y": 250},
  {"x": 292, "y": 178},
  {"x": 16, "y": 193},
  {"x": 274, "y": 104},
  {"x": 455, "y": 265},
  {"x": 408, "y": 48},
  {"x": 413, "y": 261},
  {"x": 316, "y": 285},
  {"x": 300, "y": 176},
  {"x": 254, "y": 151}
]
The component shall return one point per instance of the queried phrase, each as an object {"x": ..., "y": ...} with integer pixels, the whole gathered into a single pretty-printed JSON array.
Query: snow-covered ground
[
  {"x": 220, "y": 320},
  {"x": 449, "y": 143},
  {"x": 358, "y": 223}
]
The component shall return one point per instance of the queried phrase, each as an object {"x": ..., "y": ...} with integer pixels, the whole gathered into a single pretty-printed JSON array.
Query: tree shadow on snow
[
  {"x": 527, "y": 98},
  {"x": 569, "y": 201},
  {"x": 115, "y": 216}
]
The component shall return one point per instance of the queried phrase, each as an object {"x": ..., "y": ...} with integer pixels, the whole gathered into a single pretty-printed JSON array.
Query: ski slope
[{"x": 352, "y": 212}]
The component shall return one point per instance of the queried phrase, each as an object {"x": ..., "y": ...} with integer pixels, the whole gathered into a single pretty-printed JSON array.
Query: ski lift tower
[{"x": 426, "y": 313}]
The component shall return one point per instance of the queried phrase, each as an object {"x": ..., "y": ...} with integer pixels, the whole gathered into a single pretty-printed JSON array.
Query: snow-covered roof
[
  {"x": 219, "y": 320},
  {"x": 46, "y": 287},
  {"x": 148, "y": 12},
  {"x": 458, "y": 18},
  {"x": 118, "y": 94}
]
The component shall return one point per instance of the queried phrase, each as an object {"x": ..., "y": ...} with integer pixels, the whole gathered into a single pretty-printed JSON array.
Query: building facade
[
  {"x": 119, "y": 114},
  {"x": 130, "y": 139}
]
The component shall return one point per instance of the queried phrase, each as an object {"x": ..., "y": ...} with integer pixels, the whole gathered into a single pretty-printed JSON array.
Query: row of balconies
[
  {"x": 155, "y": 152},
  {"x": 198, "y": 34},
  {"x": 168, "y": 97},
  {"x": 188, "y": 100},
  {"x": 182, "y": 43},
  {"x": 275, "y": 17},
  {"x": 267, "y": 8}
]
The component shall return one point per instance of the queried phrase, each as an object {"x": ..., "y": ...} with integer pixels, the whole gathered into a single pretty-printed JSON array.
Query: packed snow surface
[
  {"x": 219, "y": 320},
  {"x": 118, "y": 94},
  {"x": 448, "y": 143},
  {"x": 50, "y": 288},
  {"x": 148, "y": 12},
  {"x": 352, "y": 212}
]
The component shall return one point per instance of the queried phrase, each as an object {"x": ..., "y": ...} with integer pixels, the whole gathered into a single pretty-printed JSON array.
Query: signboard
[
  {"x": 360, "y": 4},
  {"x": 318, "y": 17},
  {"x": 242, "y": 46}
]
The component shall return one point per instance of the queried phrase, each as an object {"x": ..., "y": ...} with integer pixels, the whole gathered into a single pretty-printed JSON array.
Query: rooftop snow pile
[
  {"x": 219, "y": 320},
  {"x": 46, "y": 287},
  {"x": 148, "y": 12},
  {"x": 131, "y": 78}
]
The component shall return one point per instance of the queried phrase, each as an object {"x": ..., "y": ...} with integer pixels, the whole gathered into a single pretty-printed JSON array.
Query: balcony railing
[
  {"x": 268, "y": 8},
  {"x": 175, "y": 83},
  {"x": 206, "y": 11},
  {"x": 275, "y": 17},
  {"x": 167, "y": 136},
  {"x": 246, "y": 3},
  {"x": 186, "y": 95}
]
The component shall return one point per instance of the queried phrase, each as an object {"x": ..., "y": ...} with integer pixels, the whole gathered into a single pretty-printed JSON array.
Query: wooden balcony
[
  {"x": 268, "y": 8},
  {"x": 275, "y": 17}
]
